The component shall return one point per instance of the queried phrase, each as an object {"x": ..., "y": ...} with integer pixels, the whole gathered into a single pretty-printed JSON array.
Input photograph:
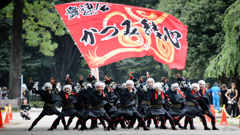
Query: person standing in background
[
  {"x": 232, "y": 95},
  {"x": 215, "y": 90},
  {"x": 4, "y": 93},
  {"x": 209, "y": 91},
  {"x": 223, "y": 92},
  {"x": 59, "y": 86}
]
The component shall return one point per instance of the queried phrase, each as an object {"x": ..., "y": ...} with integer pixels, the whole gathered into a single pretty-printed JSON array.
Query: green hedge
[{"x": 36, "y": 104}]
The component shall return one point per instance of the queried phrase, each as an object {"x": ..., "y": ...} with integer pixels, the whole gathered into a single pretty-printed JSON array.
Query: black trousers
[
  {"x": 199, "y": 114},
  {"x": 62, "y": 115},
  {"x": 42, "y": 114},
  {"x": 232, "y": 107},
  {"x": 163, "y": 117},
  {"x": 213, "y": 120},
  {"x": 136, "y": 114},
  {"x": 105, "y": 116},
  {"x": 25, "y": 116}
]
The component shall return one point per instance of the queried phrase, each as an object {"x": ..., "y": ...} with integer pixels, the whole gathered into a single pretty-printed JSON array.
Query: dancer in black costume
[
  {"x": 49, "y": 97},
  {"x": 68, "y": 107},
  {"x": 127, "y": 104},
  {"x": 192, "y": 107},
  {"x": 206, "y": 99},
  {"x": 157, "y": 98}
]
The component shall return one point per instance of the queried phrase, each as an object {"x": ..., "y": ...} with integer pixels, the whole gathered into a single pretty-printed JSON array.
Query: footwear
[
  {"x": 164, "y": 127},
  {"x": 91, "y": 128},
  {"x": 81, "y": 129},
  {"x": 184, "y": 128},
  {"x": 30, "y": 129},
  {"x": 75, "y": 128},
  {"x": 180, "y": 126},
  {"x": 106, "y": 129},
  {"x": 50, "y": 129},
  {"x": 66, "y": 128},
  {"x": 123, "y": 127},
  {"x": 214, "y": 128},
  {"x": 193, "y": 128},
  {"x": 206, "y": 128},
  {"x": 146, "y": 128},
  {"x": 114, "y": 128},
  {"x": 157, "y": 127},
  {"x": 137, "y": 128},
  {"x": 130, "y": 127},
  {"x": 174, "y": 128}
]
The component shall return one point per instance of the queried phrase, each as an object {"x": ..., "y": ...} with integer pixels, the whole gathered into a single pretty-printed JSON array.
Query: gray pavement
[{"x": 19, "y": 126}]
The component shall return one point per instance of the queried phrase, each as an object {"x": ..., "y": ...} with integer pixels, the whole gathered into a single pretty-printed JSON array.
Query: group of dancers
[{"x": 123, "y": 104}]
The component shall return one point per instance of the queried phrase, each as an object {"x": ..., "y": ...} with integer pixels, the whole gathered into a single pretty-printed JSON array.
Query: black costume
[
  {"x": 97, "y": 108},
  {"x": 48, "y": 107},
  {"x": 157, "y": 107},
  {"x": 127, "y": 105},
  {"x": 67, "y": 109},
  {"x": 178, "y": 101},
  {"x": 206, "y": 98},
  {"x": 192, "y": 107}
]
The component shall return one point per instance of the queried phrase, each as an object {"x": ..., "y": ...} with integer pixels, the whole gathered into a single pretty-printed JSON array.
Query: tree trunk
[
  {"x": 16, "y": 51},
  {"x": 115, "y": 73},
  {"x": 223, "y": 80},
  {"x": 64, "y": 56}
]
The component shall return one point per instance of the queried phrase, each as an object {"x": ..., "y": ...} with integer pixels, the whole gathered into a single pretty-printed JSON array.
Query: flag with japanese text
[{"x": 107, "y": 33}]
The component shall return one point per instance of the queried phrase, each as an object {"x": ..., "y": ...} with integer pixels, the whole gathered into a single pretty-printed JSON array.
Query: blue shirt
[{"x": 214, "y": 91}]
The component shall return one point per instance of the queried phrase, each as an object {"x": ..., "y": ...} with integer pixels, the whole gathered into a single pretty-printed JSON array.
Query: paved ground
[{"x": 19, "y": 126}]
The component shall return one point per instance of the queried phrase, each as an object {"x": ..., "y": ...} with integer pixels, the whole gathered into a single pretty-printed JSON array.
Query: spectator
[
  {"x": 215, "y": 90},
  {"x": 25, "y": 93},
  {"x": 223, "y": 92},
  {"x": 231, "y": 95},
  {"x": 59, "y": 86},
  {"x": 25, "y": 109},
  {"x": 4, "y": 93},
  {"x": 209, "y": 91}
]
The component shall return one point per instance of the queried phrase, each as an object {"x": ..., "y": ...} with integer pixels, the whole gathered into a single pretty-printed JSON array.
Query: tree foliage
[
  {"x": 205, "y": 34},
  {"x": 40, "y": 22},
  {"x": 227, "y": 61}
]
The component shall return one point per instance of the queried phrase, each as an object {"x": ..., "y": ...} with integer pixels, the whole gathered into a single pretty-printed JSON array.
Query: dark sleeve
[
  {"x": 118, "y": 88},
  {"x": 21, "y": 107},
  {"x": 29, "y": 107}
]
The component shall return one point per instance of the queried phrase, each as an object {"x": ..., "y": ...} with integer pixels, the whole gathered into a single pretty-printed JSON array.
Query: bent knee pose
[
  {"x": 206, "y": 99},
  {"x": 68, "y": 99},
  {"x": 49, "y": 97},
  {"x": 192, "y": 107},
  {"x": 98, "y": 100},
  {"x": 157, "y": 98},
  {"x": 177, "y": 98},
  {"x": 127, "y": 97}
]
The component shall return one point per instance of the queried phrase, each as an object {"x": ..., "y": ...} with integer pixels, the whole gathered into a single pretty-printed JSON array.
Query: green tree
[
  {"x": 227, "y": 61},
  {"x": 205, "y": 34},
  {"x": 40, "y": 22}
]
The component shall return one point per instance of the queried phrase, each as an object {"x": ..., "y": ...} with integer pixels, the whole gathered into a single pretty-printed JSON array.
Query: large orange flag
[{"x": 106, "y": 33}]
